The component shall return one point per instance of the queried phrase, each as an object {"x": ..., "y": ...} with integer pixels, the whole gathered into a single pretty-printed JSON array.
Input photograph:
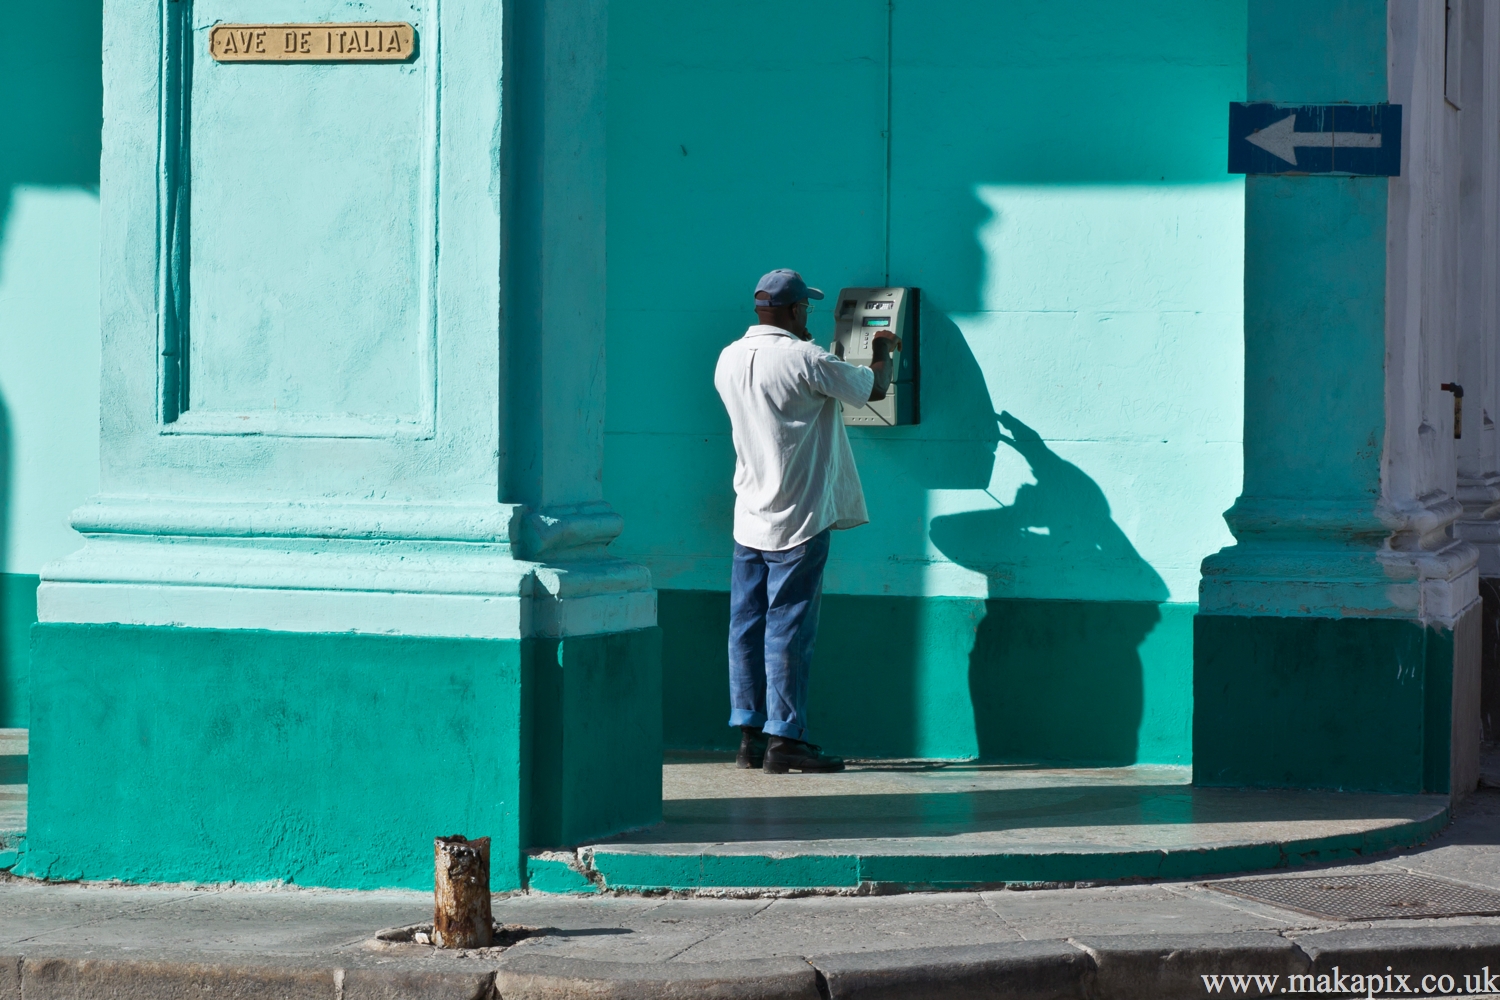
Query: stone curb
[
  {"x": 116, "y": 979},
  {"x": 1161, "y": 966},
  {"x": 1121, "y": 967},
  {"x": 1016, "y": 970},
  {"x": 1417, "y": 951},
  {"x": 10, "y": 977},
  {"x": 75, "y": 979},
  {"x": 547, "y": 977}
]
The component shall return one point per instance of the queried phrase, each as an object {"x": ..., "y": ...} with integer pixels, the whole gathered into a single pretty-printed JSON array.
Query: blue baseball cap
[{"x": 785, "y": 287}]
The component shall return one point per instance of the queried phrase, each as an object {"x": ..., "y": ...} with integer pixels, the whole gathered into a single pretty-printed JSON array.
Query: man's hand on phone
[{"x": 882, "y": 344}]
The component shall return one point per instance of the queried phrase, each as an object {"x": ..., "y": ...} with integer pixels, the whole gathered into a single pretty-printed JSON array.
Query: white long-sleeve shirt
[{"x": 794, "y": 473}]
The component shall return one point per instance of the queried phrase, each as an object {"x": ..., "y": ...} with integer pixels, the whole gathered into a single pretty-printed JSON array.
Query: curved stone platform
[{"x": 921, "y": 825}]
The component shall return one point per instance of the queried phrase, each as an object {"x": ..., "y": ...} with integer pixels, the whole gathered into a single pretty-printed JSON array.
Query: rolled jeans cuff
[
  {"x": 745, "y": 717},
  {"x": 784, "y": 729}
]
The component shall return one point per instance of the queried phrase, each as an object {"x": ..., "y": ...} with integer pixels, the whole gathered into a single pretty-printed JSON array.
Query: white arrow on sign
[{"x": 1281, "y": 140}]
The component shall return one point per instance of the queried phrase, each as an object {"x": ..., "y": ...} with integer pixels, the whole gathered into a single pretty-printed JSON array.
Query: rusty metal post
[
  {"x": 1458, "y": 406},
  {"x": 461, "y": 893}
]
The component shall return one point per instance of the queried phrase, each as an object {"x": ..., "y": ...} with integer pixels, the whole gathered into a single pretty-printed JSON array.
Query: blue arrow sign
[{"x": 1349, "y": 139}]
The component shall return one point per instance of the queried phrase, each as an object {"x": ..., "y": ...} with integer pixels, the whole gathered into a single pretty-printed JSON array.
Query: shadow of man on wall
[
  {"x": 53, "y": 104},
  {"x": 1054, "y": 679},
  {"x": 53, "y": 98},
  {"x": 12, "y": 641},
  {"x": 866, "y": 695}
]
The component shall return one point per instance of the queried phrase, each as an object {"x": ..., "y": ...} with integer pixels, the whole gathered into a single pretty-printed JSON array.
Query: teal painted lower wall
[
  {"x": 594, "y": 711},
  {"x": 17, "y": 615},
  {"x": 1106, "y": 682},
  {"x": 165, "y": 754},
  {"x": 1354, "y": 704}
]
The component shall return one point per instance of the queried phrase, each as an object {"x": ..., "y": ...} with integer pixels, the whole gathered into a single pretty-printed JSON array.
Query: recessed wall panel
[{"x": 310, "y": 233}]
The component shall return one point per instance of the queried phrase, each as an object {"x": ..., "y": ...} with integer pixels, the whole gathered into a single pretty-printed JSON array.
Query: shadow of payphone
[{"x": 859, "y": 314}]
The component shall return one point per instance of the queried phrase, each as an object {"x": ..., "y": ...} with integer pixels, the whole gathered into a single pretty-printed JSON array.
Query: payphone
[{"x": 857, "y": 315}]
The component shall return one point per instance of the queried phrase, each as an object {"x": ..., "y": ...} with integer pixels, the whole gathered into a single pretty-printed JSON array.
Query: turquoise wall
[
  {"x": 1055, "y": 183},
  {"x": 1106, "y": 682},
  {"x": 49, "y": 316},
  {"x": 1080, "y": 262}
]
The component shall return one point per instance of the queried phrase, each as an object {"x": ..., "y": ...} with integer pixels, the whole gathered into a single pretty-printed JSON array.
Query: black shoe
[
  {"x": 752, "y": 748},
  {"x": 783, "y": 755}
]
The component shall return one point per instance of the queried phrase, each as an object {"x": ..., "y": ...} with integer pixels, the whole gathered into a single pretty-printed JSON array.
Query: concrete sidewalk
[{"x": 1153, "y": 940}]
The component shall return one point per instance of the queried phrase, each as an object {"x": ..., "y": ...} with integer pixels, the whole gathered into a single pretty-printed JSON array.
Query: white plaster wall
[
  {"x": 1422, "y": 267},
  {"x": 1479, "y": 276},
  {"x": 1479, "y": 210},
  {"x": 1419, "y": 463}
]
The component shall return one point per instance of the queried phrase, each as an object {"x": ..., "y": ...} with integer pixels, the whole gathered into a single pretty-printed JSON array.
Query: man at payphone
[{"x": 795, "y": 483}]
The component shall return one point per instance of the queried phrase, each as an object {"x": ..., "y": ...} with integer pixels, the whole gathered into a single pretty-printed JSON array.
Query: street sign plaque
[
  {"x": 379, "y": 41},
  {"x": 1344, "y": 139}
]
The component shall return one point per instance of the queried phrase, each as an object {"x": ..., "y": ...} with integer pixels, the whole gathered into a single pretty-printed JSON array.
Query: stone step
[{"x": 884, "y": 826}]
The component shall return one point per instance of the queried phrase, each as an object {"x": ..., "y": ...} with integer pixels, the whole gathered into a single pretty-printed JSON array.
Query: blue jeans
[{"x": 773, "y": 622}]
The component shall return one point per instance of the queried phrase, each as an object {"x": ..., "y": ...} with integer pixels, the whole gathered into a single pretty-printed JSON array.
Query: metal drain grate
[{"x": 1368, "y": 896}]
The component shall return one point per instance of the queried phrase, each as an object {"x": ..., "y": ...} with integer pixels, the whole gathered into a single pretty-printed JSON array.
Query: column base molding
[
  {"x": 1325, "y": 560},
  {"x": 390, "y": 569},
  {"x": 1480, "y": 523},
  {"x": 1334, "y": 582}
]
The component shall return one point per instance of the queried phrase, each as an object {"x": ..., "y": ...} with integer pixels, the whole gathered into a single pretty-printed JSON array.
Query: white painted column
[
  {"x": 1427, "y": 473},
  {"x": 1419, "y": 484}
]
